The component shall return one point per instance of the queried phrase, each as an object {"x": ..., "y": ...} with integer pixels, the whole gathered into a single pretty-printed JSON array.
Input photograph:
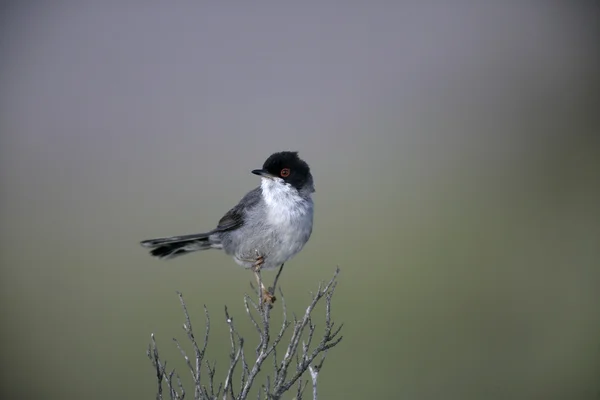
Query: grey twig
[
  {"x": 161, "y": 374},
  {"x": 314, "y": 374},
  {"x": 282, "y": 378},
  {"x": 199, "y": 354},
  {"x": 274, "y": 287},
  {"x": 329, "y": 340},
  {"x": 237, "y": 349}
]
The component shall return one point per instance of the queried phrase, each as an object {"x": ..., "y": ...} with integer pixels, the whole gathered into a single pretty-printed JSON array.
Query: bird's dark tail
[{"x": 171, "y": 247}]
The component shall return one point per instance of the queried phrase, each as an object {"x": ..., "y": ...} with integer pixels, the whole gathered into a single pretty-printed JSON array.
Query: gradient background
[{"x": 456, "y": 158}]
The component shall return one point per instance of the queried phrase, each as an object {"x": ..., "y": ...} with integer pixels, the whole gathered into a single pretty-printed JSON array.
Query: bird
[{"x": 268, "y": 226}]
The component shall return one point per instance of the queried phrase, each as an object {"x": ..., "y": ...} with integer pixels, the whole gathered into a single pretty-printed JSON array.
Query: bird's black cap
[{"x": 287, "y": 166}]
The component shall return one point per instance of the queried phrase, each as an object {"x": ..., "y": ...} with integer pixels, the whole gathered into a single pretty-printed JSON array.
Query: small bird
[{"x": 270, "y": 225}]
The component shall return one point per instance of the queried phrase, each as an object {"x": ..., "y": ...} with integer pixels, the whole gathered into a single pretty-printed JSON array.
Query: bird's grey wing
[{"x": 234, "y": 218}]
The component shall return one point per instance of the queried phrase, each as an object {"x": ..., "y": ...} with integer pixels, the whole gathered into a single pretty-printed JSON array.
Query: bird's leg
[{"x": 267, "y": 297}]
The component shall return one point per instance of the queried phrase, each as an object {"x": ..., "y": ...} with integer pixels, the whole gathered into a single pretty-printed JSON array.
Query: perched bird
[{"x": 269, "y": 225}]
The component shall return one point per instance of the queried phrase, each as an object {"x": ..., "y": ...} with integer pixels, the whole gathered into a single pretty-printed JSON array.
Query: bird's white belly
[{"x": 283, "y": 229}]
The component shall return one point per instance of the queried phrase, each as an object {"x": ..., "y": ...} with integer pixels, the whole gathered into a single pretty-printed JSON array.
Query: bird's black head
[{"x": 289, "y": 167}]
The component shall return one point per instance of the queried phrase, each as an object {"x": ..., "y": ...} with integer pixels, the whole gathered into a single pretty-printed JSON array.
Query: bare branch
[
  {"x": 273, "y": 288},
  {"x": 259, "y": 313},
  {"x": 247, "y": 302},
  {"x": 314, "y": 373},
  {"x": 301, "y": 388},
  {"x": 161, "y": 374},
  {"x": 211, "y": 380},
  {"x": 282, "y": 385},
  {"x": 181, "y": 389},
  {"x": 237, "y": 347},
  {"x": 199, "y": 354}
]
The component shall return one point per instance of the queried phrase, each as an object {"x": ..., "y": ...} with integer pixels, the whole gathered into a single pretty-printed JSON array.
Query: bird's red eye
[{"x": 285, "y": 172}]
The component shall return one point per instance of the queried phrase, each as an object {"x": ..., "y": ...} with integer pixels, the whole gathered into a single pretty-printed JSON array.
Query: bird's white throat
[{"x": 283, "y": 201}]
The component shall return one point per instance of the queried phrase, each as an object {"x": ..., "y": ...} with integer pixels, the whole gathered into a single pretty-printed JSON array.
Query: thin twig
[
  {"x": 187, "y": 327},
  {"x": 277, "y": 383},
  {"x": 314, "y": 373},
  {"x": 282, "y": 385},
  {"x": 161, "y": 373},
  {"x": 234, "y": 356},
  {"x": 211, "y": 379},
  {"x": 273, "y": 288}
]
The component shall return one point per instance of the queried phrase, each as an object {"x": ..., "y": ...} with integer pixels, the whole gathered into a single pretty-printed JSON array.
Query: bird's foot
[
  {"x": 268, "y": 298},
  {"x": 258, "y": 263}
]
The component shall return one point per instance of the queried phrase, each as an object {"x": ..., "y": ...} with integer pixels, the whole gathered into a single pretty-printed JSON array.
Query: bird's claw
[
  {"x": 267, "y": 297},
  {"x": 258, "y": 263}
]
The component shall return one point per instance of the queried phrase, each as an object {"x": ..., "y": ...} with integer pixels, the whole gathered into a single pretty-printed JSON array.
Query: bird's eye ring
[{"x": 285, "y": 172}]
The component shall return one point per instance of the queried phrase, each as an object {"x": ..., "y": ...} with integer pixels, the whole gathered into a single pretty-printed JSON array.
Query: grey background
[{"x": 456, "y": 157}]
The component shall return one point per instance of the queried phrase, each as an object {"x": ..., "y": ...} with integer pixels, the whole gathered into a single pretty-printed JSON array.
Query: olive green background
[{"x": 456, "y": 158}]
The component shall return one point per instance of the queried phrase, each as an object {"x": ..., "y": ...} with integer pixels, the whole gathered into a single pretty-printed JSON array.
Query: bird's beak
[{"x": 262, "y": 173}]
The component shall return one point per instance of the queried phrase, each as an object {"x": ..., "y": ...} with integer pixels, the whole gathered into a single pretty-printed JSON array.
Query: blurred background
[{"x": 456, "y": 157}]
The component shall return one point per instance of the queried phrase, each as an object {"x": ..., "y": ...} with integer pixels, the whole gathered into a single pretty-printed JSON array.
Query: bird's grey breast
[{"x": 276, "y": 228}]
